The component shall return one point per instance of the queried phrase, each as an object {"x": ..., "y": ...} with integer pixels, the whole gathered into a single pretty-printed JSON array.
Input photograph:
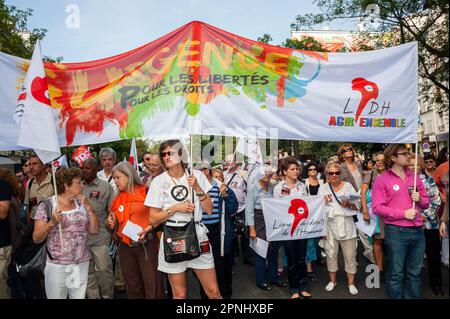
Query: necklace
[{"x": 179, "y": 192}]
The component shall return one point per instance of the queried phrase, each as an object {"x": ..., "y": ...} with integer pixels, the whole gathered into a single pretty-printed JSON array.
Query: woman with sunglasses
[
  {"x": 312, "y": 185},
  {"x": 352, "y": 173},
  {"x": 170, "y": 202},
  {"x": 340, "y": 210},
  {"x": 431, "y": 223},
  {"x": 295, "y": 250},
  {"x": 366, "y": 202}
]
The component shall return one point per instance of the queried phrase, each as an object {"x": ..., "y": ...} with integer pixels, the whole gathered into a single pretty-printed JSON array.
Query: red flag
[
  {"x": 81, "y": 154},
  {"x": 133, "y": 155}
]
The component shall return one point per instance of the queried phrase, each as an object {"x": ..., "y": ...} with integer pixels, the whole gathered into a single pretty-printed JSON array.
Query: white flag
[
  {"x": 249, "y": 147},
  {"x": 62, "y": 161},
  {"x": 294, "y": 218},
  {"x": 38, "y": 123},
  {"x": 133, "y": 155}
]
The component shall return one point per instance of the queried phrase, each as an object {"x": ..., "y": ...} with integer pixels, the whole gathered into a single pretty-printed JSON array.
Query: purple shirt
[{"x": 391, "y": 198}]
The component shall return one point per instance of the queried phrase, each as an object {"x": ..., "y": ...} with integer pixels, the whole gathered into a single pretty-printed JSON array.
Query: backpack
[{"x": 31, "y": 257}]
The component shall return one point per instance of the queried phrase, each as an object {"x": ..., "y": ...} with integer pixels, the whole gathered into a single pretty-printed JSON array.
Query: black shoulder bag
[{"x": 181, "y": 243}]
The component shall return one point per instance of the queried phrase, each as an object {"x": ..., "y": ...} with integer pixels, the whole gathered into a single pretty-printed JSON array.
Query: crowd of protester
[{"x": 65, "y": 236}]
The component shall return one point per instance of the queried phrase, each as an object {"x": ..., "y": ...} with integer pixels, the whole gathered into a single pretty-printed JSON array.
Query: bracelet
[{"x": 204, "y": 197}]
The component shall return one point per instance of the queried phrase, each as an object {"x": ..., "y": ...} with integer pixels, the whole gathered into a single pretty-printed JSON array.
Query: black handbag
[{"x": 181, "y": 243}]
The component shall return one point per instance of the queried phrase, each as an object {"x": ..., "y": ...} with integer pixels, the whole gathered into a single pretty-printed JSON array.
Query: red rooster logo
[
  {"x": 369, "y": 90},
  {"x": 299, "y": 209}
]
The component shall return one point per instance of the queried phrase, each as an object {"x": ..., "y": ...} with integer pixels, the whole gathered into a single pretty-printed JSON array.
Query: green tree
[
  {"x": 397, "y": 22},
  {"x": 15, "y": 36},
  {"x": 266, "y": 38}
]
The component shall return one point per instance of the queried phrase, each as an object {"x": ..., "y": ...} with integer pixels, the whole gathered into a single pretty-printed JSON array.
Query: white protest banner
[
  {"x": 294, "y": 218},
  {"x": 159, "y": 88}
]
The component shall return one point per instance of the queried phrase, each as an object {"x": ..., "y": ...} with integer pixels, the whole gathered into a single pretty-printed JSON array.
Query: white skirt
[{"x": 204, "y": 261}]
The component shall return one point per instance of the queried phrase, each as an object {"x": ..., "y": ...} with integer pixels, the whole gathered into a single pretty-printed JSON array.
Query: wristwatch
[{"x": 200, "y": 194}]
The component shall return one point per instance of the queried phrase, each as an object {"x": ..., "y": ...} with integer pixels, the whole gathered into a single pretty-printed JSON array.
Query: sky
[{"x": 110, "y": 27}]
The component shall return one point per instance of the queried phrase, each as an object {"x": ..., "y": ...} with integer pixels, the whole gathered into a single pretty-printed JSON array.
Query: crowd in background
[{"x": 80, "y": 231}]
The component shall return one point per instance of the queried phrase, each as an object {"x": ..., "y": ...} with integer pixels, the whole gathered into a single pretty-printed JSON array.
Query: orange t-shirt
[
  {"x": 440, "y": 171},
  {"x": 130, "y": 206}
]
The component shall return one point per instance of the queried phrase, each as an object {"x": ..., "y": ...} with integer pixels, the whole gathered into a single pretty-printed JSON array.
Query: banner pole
[
  {"x": 419, "y": 133},
  {"x": 56, "y": 200},
  {"x": 415, "y": 172}
]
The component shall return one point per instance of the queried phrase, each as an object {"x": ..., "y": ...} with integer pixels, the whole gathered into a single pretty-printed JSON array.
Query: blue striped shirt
[{"x": 215, "y": 216}]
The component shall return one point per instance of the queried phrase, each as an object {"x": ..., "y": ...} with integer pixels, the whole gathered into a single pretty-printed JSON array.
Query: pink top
[
  {"x": 390, "y": 198},
  {"x": 74, "y": 225}
]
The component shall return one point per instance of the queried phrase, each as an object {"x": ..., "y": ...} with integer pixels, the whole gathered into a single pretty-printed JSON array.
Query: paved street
[{"x": 244, "y": 286}]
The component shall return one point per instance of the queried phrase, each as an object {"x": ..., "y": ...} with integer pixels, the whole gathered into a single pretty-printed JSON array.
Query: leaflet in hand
[
  {"x": 365, "y": 227},
  {"x": 260, "y": 246},
  {"x": 349, "y": 198},
  {"x": 131, "y": 230}
]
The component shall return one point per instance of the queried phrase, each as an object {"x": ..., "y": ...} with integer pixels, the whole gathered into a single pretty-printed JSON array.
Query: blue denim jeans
[
  {"x": 271, "y": 266},
  {"x": 405, "y": 252}
]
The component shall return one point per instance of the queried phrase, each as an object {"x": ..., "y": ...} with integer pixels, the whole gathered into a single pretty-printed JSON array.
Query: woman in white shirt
[
  {"x": 341, "y": 225},
  {"x": 170, "y": 202},
  {"x": 295, "y": 250}
]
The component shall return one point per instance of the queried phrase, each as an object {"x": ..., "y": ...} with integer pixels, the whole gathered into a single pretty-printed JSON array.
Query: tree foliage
[
  {"x": 397, "y": 22},
  {"x": 15, "y": 36}
]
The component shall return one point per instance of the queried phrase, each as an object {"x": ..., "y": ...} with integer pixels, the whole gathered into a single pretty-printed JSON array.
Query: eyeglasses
[
  {"x": 171, "y": 153},
  {"x": 403, "y": 153},
  {"x": 312, "y": 169},
  {"x": 334, "y": 173}
]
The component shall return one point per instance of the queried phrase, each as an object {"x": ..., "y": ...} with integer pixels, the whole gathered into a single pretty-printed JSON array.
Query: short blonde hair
[{"x": 332, "y": 165}]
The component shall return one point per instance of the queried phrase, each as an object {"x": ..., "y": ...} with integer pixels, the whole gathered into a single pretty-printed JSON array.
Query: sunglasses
[
  {"x": 171, "y": 154},
  {"x": 429, "y": 161},
  {"x": 334, "y": 173},
  {"x": 312, "y": 169},
  {"x": 347, "y": 150}
]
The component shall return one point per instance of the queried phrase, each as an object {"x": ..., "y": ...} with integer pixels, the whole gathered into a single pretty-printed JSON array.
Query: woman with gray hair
[{"x": 138, "y": 256}]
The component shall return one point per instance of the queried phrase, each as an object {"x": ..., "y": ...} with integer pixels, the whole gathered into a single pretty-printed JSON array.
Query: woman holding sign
[
  {"x": 340, "y": 209},
  {"x": 138, "y": 247},
  {"x": 295, "y": 250},
  {"x": 184, "y": 242}
]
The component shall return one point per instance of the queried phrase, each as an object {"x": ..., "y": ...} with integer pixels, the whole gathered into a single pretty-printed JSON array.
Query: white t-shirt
[
  {"x": 161, "y": 194},
  {"x": 101, "y": 174},
  {"x": 282, "y": 190},
  {"x": 239, "y": 188}
]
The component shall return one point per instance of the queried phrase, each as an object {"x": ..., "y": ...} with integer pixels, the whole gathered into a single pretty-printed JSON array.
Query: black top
[
  {"x": 5, "y": 228},
  {"x": 313, "y": 189}
]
